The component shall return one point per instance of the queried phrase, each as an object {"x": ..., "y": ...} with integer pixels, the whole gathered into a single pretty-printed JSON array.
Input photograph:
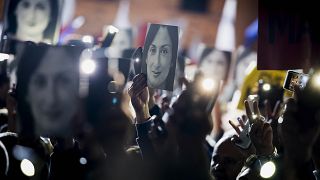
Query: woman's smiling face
[
  {"x": 214, "y": 65},
  {"x": 159, "y": 58},
  {"x": 33, "y": 16},
  {"x": 53, "y": 92}
]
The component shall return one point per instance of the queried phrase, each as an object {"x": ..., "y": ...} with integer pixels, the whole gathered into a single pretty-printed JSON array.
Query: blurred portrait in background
[
  {"x": 33, "y": 20},
  {"x": 160, "y": 56},
  {"x": 215, "y": 64},
  {"x": 48, "y": 81},
  {"x": 121, "y": 44}
]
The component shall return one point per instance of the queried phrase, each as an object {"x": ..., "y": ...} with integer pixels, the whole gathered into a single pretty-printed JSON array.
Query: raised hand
[
  {"x": 253, "y": 114},
  {"x": 261, "y": 136},
  {"x": 260, "y": 131},
  {"x": 139, "y": 94},
  {"x": 242, "y": 140},
  {"x": 272, "y": 118}
]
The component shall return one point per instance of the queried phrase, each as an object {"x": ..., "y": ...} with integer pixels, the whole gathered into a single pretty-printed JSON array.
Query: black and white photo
[
  {"x": 160, "y": 56},
  {"x": 47, "y": 88},
  {"x": 215, "y": 63},
  {"x": 33, "y": 20}
]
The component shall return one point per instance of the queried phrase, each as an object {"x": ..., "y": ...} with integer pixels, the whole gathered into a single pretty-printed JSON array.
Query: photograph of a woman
[
  {"x": 47, "y": 88},
  {"x": 160, "y": 56},
  {"x": 215, "y": 64},
  {"x": 33, "y": 20}
]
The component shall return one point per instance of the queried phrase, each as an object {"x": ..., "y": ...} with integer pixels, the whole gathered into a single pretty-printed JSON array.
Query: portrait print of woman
[
  {"x": 160, "y": 55},
  {"x": 33, "y": 20},
  {"x": 47, "y": 88},
  {"x": 215, "y": 64}
]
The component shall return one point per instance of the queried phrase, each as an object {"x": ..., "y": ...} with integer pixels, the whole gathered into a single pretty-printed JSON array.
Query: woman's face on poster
[
  {"x": 159, "y": 58},
  {"x": 52, "y": 92},
  {"x": 33, "y": 16},
  {"x": 242, "y": 67},
  {"x": 214, "y": 65}
]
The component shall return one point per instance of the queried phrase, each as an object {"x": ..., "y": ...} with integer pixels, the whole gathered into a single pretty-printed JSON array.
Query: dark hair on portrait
[
  {"x": 29, "y": 62},
  {"x": 174, "y": 36},
  {"x": 226, "y": 54},
  {"x": 49, "y": 32}
]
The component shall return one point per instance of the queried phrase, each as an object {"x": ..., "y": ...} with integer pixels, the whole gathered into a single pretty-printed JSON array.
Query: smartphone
[
  {"x": 293, "y": 79},
  {"x": 107, "y": 41},
  {"x": 208, "y": 88},
  {"x": 251, "y": 99}
]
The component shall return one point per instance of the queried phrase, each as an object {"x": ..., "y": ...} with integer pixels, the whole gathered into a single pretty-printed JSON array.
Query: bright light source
[
  {"x": 208, "y": 84},
  {"x": 316, "y": 80},
  {"x": 253, "y": 97},
  {"x": 137, "y": 60},
  {"x": 267, "y": 170},
  {"x": 87, "y": 39},
  {"x": 27, "y": 167},
  {"x": 280, "y": 120},
  {"x": 83, "y": 161},
  {"x": 254, "y": 116},
  {"x": 266, "y": 87},
  {"x": 4, "y": 56},
  {"x": 113, "y": 29},
  {"x": 4, "y": 111},
  {"x": 88, "y": 66}
]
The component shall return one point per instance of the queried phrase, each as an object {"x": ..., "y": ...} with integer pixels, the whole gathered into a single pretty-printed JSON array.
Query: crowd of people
[{"x": 166, "y": 138}]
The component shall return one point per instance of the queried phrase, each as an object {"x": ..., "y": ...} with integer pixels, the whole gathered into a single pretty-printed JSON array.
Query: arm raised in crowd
[
  {"x": 254, "y": 141},
  {"x": 139, "y": 94},
  {"x": 272, "y": 117},
  {"x": 261, "y": 132},
  {"x": 300, "y": 130}
]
